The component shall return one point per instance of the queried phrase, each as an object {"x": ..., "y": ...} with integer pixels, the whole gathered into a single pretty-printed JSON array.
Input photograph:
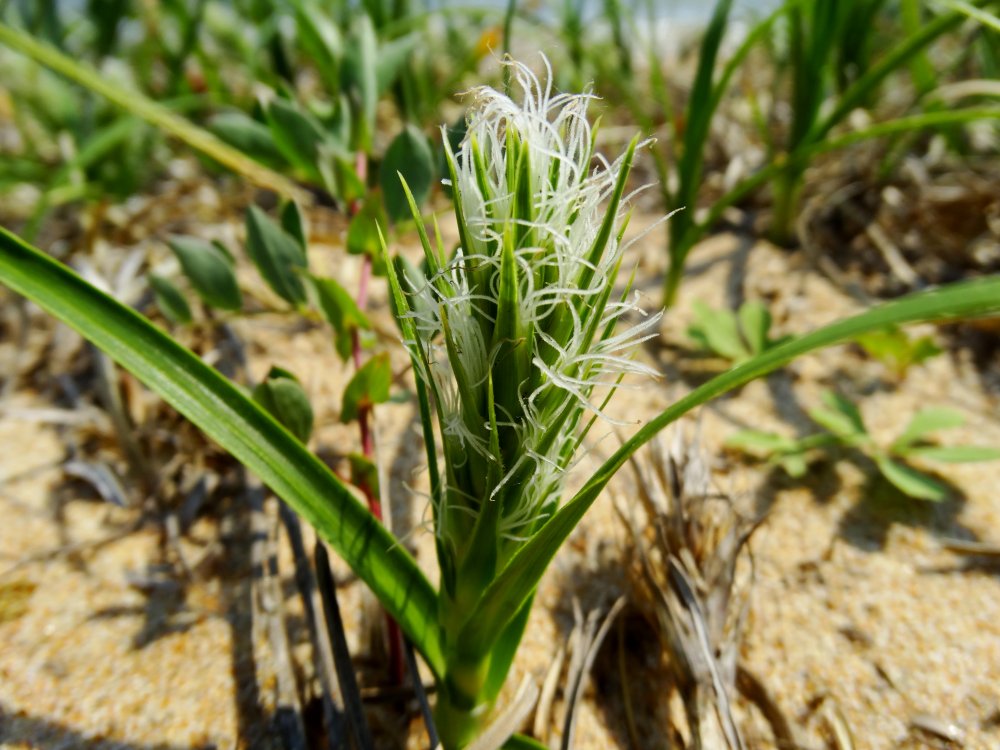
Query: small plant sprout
[
  {"x": 846, "y": 429},
  {"x": 897, "y": 350},
  {"x": 734, "y": 336},
  {"x": 515, "y": 337}
]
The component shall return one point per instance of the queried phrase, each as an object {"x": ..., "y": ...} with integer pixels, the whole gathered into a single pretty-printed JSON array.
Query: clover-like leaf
[{"x": 718, "y": 332}]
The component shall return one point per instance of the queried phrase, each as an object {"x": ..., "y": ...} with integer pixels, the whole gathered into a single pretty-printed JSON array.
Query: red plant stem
[{"x": 393, "y": 632}]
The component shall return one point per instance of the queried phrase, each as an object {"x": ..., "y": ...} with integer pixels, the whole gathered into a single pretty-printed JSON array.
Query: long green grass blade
[
  {"x": 519, "y": 578},
  {"x": 979, "y": 14},
  {"x": 153, "y": 113},
  {"x": 699, "y": 114},
  {"x": 898, "y": 56},
  {"x": 237, "y": 424}
]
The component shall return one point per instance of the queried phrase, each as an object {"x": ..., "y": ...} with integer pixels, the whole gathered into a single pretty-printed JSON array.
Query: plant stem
[{"x": 787, "y": 188}]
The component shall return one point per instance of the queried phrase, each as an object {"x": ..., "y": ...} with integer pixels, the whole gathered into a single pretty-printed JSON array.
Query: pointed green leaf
[
  {"x": 392, "y": 57},
  {"x": 596, "y": 251},
  {"x": 761, "y": 443},
  {"x": 894, "y": 347},
  {"x": 513, "y": 355},
  {"x": 369, "y": 386},
  {"x": 170, "y": 300},
  {"x": 925, "y": 422},
  {"x": 910, "y": 481},
  {"x": 718, "y": 329},
  {"x": 237, "y": 424},
  {"x": 281, "y": 395},
  {"x": 322, "y": 41},
  {"x": 362, "y": 232},
  {"x": 277, "y": 255},
  {"x": 840, "y": 416},
  {"x": 360, "y": 78},
  {"x": 210, "y": 270},
  {"x": 954, "y": 454},
  {"x": 755, "y": 324},
  {"x": 409, "y": 156},
  {"x": 294, "y": 223},
  {"x": 296, "y": 134},
  {"x": 246, "y": 134}
]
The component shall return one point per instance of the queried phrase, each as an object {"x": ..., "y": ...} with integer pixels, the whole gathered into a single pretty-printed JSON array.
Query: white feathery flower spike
[{"x": 515, "y": 332}]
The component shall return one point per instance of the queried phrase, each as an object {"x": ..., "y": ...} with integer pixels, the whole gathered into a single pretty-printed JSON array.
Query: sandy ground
[{"x": 857, "y": 615}]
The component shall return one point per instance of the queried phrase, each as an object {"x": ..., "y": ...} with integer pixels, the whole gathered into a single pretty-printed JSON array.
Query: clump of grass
[
  {"x": 825, "y": 43},
  {"x": 686, "y": 545}
]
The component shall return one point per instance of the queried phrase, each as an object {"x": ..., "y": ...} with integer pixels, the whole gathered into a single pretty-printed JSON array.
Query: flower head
[{"x": 514, "y": 333}]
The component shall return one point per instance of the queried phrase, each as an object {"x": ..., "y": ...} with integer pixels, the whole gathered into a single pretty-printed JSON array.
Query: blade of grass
[
  {"x": 518, "y": 580},
  {"x": 899, "y": 55},
  {"x": 215, "y": 405},
  {"x": 153, "y": 113},
  {"x": 983, "y": 16}
]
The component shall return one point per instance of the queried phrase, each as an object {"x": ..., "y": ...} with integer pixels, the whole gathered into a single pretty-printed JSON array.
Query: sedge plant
[
  {"x": 514, "y": 338},
  {"x": 515, "y": 345}
]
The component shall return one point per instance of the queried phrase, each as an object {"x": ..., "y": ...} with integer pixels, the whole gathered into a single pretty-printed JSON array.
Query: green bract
[{"x": 514, "y": 335}]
